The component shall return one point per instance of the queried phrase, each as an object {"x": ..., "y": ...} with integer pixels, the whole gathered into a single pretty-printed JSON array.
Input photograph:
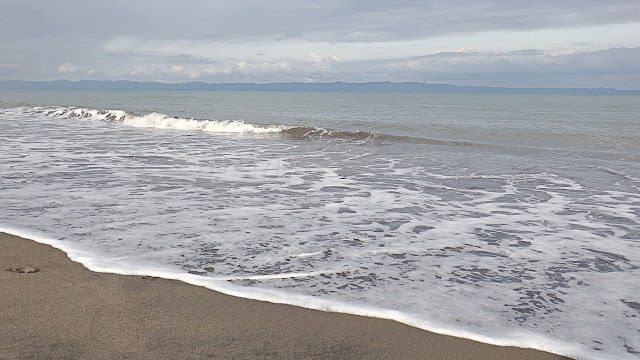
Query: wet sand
[{"x": 65, "y": 311}]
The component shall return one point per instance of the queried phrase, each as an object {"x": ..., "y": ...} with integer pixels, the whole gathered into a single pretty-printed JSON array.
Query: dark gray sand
[{"x": 64, "y": 311}]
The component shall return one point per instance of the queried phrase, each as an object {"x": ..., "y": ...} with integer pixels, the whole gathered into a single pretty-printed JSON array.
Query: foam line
[{"x": 523, "y": 339}]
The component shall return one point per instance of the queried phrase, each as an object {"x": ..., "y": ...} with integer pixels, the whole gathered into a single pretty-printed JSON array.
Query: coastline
[{"x": 67, "y": 311}]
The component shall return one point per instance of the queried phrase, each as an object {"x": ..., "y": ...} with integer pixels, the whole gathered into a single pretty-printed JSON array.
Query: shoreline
[{"x": 67, "y": 311}]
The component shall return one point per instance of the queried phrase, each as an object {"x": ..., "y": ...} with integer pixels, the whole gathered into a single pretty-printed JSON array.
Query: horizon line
[{"x": 425, "y": 85}]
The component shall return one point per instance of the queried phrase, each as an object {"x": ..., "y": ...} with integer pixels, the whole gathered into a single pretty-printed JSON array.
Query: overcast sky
[{"x": 515, "y": 43}]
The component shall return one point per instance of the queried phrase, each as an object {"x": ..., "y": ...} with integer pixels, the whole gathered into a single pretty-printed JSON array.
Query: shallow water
[{"x": 510, "y": 219}]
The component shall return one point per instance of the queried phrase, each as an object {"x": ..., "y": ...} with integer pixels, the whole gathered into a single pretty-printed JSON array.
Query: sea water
[{"x": 508, "y": 219}]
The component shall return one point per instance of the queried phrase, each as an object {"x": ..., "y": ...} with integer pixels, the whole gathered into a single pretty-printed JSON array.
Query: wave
[
  {"x": 101, "y": 264},
  {"x": 158, "y": 120},
  {"x": 163, "y": 121}
]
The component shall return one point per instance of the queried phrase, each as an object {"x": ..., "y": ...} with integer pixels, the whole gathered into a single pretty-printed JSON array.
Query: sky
[{"x": 512, "y": 43}]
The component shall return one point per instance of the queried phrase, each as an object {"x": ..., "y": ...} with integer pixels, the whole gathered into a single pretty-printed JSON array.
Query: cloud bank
[{"x": 499, "y": 43}]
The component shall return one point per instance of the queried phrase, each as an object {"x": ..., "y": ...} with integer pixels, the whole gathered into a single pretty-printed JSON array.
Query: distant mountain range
[{"x": 406, "y": 87}]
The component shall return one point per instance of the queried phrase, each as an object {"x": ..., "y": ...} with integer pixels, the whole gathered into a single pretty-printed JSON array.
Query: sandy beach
[{"x": 65, "y": 311}]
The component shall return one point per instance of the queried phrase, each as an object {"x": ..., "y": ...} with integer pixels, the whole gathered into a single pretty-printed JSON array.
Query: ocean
[{"x": 508, "y": 219}]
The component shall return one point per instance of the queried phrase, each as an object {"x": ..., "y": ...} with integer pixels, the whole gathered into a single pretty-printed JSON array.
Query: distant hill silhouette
[{"x": 405, "y": 87}]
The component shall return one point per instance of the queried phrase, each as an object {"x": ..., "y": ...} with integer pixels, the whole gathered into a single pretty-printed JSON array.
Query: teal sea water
[{"x": 509, "y": 219}]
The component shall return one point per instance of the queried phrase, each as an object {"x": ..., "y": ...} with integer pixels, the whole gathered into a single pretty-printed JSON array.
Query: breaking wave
[{"x": 162, "y": 121}]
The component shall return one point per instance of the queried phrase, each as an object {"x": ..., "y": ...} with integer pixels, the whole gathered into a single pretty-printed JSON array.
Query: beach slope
[{"x": 65, "y": 311}]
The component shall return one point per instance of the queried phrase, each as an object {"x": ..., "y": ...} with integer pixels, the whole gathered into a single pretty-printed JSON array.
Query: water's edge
[{"x": 522, "y": 339}]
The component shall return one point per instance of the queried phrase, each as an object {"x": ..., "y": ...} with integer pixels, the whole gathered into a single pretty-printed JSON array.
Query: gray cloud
[
  {"x": 81, "y": 39},
  {"x": 525, "y": 68},
  {"x": 530, "y": 68},
  {"x": 330, "y": 20}
]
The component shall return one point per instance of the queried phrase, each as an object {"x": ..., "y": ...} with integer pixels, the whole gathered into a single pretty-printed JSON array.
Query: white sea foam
[
  {"x": 461, "y": 243},
  {"x": 152, "y": 120},
  {"x": 161, "y": 121},
  {"x": 524, "y": 339}
]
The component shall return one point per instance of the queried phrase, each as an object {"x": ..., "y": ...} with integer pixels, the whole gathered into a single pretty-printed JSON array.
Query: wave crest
[{"x": 163, "y": 121}]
